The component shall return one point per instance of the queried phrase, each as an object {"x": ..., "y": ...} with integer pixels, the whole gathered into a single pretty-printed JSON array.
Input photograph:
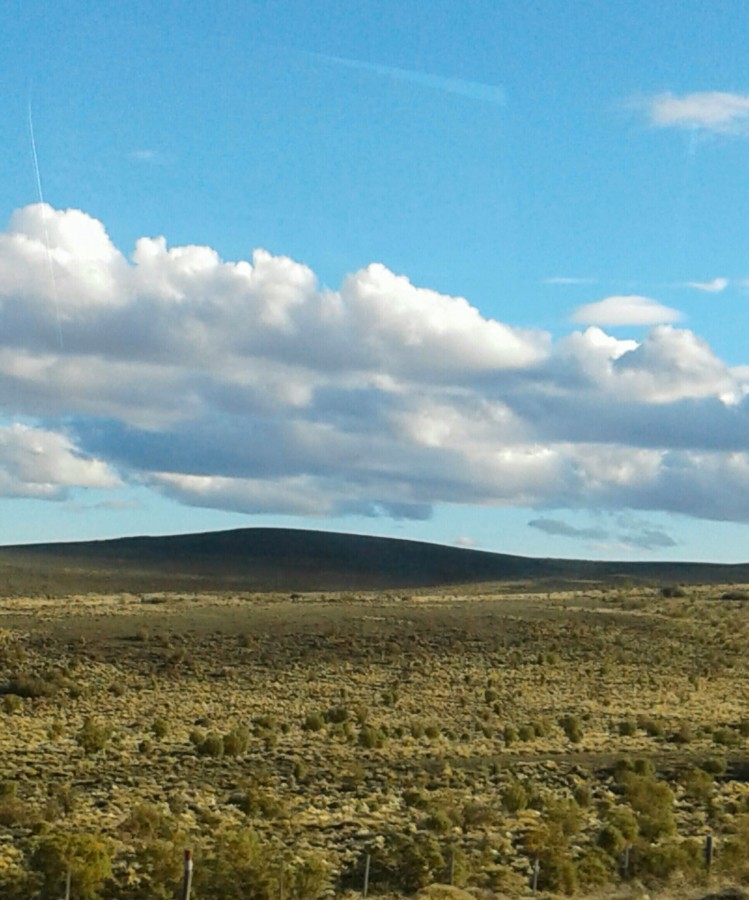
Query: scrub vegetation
[{"x": 462, "y": 735}]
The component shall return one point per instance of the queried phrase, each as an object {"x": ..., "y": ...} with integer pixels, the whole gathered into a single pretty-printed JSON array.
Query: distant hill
[{"x": 277, "y": 559}]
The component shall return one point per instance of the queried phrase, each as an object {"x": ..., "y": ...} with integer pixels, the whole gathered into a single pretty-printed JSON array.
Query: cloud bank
[{"x": 247, "y": 386}]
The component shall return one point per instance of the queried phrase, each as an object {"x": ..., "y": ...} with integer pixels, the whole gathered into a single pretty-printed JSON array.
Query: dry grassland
[{"x": 450, "y": 735}]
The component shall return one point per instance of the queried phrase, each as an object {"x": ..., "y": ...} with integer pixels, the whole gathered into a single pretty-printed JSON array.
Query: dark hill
[{"x": 296, "y": 560}]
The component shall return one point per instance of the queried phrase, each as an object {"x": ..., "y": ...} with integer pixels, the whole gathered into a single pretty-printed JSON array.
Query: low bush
[
  {"x": 370, "y": 737},
  {"x": 93, "y": 736},
  {"x": 572, "y": 726},
  {"x": 514, "y": 797}
]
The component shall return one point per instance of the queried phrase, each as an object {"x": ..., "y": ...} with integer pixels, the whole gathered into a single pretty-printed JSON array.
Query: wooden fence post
[
  {"x": 366, "y": 874},
  {"x": 708, "y": 851},
  {"x": 187, "y": 880}
]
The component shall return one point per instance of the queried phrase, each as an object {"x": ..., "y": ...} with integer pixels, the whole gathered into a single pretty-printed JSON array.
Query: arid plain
[{"x": 464, "y": 735}]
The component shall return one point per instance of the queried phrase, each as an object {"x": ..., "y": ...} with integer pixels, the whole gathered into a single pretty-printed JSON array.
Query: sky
[{"x": 474, "y": 273}]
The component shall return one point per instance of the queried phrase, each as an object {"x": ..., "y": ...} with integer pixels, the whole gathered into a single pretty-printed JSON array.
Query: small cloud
[
  {"x": 562, "y": 529},
  {"x": 565, "y": 279},
  {"x": 119, "y": 505},
  {"x": 648, "y": 539},
  {"x": 466, "y": 541},
  {"x": 718, "y": 112},
  {"x": 710, "y": 287},
  {"x": 630, "y": 309},
  {"x": 146, "y": 156}
]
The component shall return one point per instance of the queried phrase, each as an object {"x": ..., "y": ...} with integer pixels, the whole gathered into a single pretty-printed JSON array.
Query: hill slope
[{"x": 297, "y": 560}]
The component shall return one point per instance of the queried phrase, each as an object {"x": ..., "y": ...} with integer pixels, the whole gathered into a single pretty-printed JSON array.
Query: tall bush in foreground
[{"x": 87, "y": 857}]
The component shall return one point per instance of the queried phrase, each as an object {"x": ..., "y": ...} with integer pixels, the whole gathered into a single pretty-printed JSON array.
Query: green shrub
[
  {"x": 564, "y": 813},
  {"x": 734, "y": 851},
  {"x": 652, "y": 727},
  {"x": 93, "y": 737},
  {"x": 307, "y": 879},
  {"x": 572, "y": 727},
  {"x": 147, "y": 821},
  {"x": 583, "y": 794},
  {"x": 239, "y": 866},
  {"x": 259, "y": 803},
  {"x": 627, "y": 727},
  {"x": 543, "y": 727},
  {"x": 414, "y": 798},
  {"x": 657, "y": 863},
  {"x": 405, "y": 863},
  {"x": 557, "y": 872},
  {"x": 314, "y": 721},
  {"x": 438, "y": 821},
  {"x": 337, "y": 714},
  {"x": 698, "y": 785},
  {"x": 87, "y": 857},
  {"x": 160, "y": 729},
  {"x": 653, "y": 802},
  {"x": 684, "y": 734},
  {"x": 13, "y": 811},
  {"x": 32, "y": 686},
  {"x": 55, "y": 730},
  {"x": 371, "y": 738},
  {"x": 159, "y": 864},
  {"x": 211, "y": 745},
  {"x": 478, "y": 815},
  {"x": 714, "y": 765},
  {"x": 417, "y": 730},
  {"x": 236, "y": 742},
  {"x": 624, "y": 820},
  {"x": 643, "y": 766},
  {"x": 514, "y": 797},
  {"x": 726, "y": 737},
  {"x": 12, "y": 703},
  {"x": 611, "y": 840},
  {"x": 61, "y": 801},
  {"x": 390, "y": 697},
  {"x": 595, "y": 868}
]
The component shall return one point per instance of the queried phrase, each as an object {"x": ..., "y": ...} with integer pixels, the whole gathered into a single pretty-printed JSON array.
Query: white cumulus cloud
[
  {"x": 247, "y": 386},
  {"x": 627, "y": 309},
  {"x": 35, "y": 462}
]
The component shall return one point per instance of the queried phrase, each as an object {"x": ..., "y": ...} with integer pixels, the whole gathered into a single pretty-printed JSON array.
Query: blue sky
[{"x": 471, "y": 273}]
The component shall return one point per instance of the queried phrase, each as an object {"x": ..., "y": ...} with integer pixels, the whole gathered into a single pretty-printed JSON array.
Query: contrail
[
  {"x": 50, "y": 263},
  {"x": 475, "y": 90}
]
